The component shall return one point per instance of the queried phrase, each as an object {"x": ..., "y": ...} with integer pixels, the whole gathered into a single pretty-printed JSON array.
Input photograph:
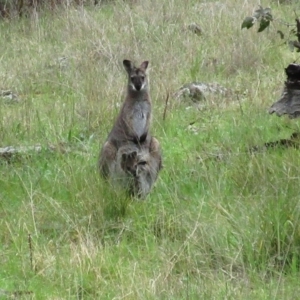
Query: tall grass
[{"x": 222, "y": 222}]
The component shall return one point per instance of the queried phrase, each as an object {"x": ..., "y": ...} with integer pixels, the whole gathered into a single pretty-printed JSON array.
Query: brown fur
[
  {"x": 134, "y": 119},
  {"x": 136, "y": 107},
  {"x": 136, "y": 167},
  {"x": 129, "y": 151}
]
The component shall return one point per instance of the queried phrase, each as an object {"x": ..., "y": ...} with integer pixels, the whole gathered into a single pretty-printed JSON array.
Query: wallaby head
[
  {"x": 137, "y": 77},
  {"x": 128, "y": 162}
]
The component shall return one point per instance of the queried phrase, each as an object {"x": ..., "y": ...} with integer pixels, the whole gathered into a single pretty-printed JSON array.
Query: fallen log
[
  {"x": 10, "y": 152},
  {"x": 292, "y": 142}
]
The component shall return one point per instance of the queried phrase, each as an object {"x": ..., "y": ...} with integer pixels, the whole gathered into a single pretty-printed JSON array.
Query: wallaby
[
  {"x": 131, "y": 131},
  {"x": 136, "y": 168},
  {"x": 133, "y": 121}
]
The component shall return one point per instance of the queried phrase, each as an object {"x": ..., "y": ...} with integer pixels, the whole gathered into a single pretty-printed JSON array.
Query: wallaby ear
[
  {"x": 144, "y": 65},
  {"x": 128, "y": 65}
]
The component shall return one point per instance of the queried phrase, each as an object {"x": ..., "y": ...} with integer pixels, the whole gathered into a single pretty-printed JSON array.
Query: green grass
[{"x": 221, "y": 222}]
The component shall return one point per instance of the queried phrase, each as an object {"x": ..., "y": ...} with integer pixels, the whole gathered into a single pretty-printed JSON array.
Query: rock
[
  {"x": 194, "y": 27},
  {"x": 8, "y": 97},
  {"x": 199, "y": 91}
]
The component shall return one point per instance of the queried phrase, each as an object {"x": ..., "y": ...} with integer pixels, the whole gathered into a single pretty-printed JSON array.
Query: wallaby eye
[{"x": 142, "y": 77}]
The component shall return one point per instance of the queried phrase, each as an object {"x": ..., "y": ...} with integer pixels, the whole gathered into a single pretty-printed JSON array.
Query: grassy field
[{"x": 221, "y": 222}]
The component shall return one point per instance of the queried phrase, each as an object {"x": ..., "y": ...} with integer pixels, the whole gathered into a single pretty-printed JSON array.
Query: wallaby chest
[{"x": 139, "y": 117}]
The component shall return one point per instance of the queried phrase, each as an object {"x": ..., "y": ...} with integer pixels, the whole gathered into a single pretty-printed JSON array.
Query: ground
[{"x": 221, "y": 223}]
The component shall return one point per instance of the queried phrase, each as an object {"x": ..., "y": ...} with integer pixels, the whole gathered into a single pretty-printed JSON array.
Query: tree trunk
[{"x": 289, "y": 102}]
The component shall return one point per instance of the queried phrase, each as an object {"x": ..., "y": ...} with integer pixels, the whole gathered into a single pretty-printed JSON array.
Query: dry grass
[{"x": 221, "y": 222}]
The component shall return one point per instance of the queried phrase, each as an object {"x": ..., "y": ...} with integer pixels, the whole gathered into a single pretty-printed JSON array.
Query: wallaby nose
[{"x": 138, "y": 86}]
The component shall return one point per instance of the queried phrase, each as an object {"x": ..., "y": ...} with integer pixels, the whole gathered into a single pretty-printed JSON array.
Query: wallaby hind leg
[
  {"x": 107, "y": 159},
  {"x": 155, "y": 156}
]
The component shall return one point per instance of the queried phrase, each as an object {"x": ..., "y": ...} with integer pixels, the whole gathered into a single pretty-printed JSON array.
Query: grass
[{"x": 221, "y": 222}]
